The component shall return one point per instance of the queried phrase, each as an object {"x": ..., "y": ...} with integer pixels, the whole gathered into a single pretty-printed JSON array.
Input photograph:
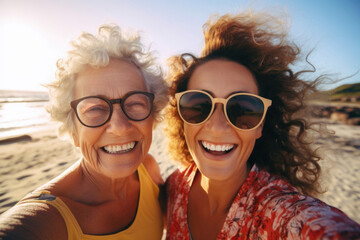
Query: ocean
[{"x": 22, "y": 112}]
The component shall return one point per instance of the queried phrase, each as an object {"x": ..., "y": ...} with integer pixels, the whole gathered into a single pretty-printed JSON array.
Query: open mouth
[
  {"x": 217, "y": 149},
  {"x": 116, "y": 149}
]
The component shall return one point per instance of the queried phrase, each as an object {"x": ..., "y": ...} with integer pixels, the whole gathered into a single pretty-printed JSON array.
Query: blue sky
[{"x": 35, "y": 33}]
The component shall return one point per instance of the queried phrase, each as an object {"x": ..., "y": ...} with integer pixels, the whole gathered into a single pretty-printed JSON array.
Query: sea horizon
[
  {"x": 23, "y": 112},
  {"x": 9, "y": 96}
]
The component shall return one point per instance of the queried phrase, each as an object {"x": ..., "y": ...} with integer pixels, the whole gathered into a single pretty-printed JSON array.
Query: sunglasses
[
  {"x": 244, "y": 111},
  {"x": 95, "y": 111}
]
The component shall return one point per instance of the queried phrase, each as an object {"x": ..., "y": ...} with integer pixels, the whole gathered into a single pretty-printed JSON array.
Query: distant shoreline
[
  {"x": 18, "y": 100},
  {"x": 14, "y": 96},
  {"x": 3, "y": 91},
  {"x": 333, "y": 103},
  {"x": 16, "y": 132}
]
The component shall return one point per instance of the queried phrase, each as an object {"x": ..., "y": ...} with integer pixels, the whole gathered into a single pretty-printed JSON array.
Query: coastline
[{"x": 26, "y": 165}]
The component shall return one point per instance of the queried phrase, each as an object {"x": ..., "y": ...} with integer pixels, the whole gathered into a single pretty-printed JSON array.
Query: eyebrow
[{"x": 212, "y": 94}]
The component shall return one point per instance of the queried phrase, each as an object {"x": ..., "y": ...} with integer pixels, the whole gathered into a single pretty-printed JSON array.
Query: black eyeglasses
[
  {"x": 244, "y": 111},
  {"x": 95, "y": 111}
]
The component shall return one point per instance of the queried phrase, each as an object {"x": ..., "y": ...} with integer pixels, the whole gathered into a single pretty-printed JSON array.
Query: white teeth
[
  {"x": 119, "y": 148},
  {"x": 218, "y": 148}
]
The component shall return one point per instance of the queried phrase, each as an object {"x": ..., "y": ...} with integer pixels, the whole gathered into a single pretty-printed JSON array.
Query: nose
[
  {"x": 118, "y": 122},
  {"x": 217, "y": 123}
]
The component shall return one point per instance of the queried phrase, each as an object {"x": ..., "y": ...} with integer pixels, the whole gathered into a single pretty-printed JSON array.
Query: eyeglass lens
[
  {"x": 95, "y": 111},
  {"x": 243, "y": 111}
]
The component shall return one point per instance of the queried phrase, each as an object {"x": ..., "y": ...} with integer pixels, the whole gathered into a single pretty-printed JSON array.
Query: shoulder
[
  {"x": 153, "y": 169},
  {"x": 180, "y": 179},
  {"x": 34, "y": 220},
  {"x": 292, "y": 214},
  {"x": 270, "y": 192},
  {"x": 266, "y": 186},
  {"x": 173, "y": 177},
  {"x": 311, "y": 218},
  {"x": 179, "y": 175}
]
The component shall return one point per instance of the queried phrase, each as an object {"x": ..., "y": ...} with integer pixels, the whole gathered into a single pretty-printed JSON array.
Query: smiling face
[
  {"x": 219, "y": 149},
  {"x": 117, "y": 148}
]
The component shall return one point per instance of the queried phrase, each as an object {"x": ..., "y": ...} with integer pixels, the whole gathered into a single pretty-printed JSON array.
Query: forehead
[
  {"x": 222, "y": 77},
  {"x": 113, "y": 80}
]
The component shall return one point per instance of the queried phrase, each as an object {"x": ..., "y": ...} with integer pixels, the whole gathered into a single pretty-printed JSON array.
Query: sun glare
[{"x": 25, "y": 57}]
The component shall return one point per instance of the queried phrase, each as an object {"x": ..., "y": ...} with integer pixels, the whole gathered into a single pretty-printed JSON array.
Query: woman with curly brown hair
[{"x": 234, "y": 122}]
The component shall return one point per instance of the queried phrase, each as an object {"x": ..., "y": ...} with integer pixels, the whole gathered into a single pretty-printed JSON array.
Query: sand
[{"x": 28, "y": 163}]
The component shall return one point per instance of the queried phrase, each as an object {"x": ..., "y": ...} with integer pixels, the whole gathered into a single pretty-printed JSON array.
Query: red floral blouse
[{"x": 266, "y": 207}]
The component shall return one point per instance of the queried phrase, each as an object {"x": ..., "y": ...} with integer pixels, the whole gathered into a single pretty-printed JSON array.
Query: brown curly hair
[{"x": 259, "y": 42}]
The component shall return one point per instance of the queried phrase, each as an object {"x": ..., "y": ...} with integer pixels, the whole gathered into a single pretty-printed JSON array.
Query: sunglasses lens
[
  {"x": 244, "y": 111},
  {"x": 194, "y": 107}
]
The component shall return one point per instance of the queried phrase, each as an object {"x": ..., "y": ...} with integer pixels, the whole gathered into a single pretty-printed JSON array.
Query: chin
[
  {"x": 215, "y": 173},
  {"x": 120, "y": 171}
]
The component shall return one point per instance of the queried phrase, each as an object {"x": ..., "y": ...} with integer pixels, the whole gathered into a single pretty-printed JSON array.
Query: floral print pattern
[{"x": 266, "y": 207}]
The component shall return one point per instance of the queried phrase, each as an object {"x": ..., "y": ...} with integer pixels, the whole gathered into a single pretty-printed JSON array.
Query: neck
[
  {"x": 106, "y": 188},
  {"x": 221, "y": 193}
]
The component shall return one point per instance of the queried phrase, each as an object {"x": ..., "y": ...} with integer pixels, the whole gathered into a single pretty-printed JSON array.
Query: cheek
[
  {"x": 86, "y": 139},
  {"x": 75, "y": 139},
  {"x": 75, "y": 135},
  {"x": 248, "y": 140},
  {"x": 258, "y": 133},
  {"x": 147, "y": 130},
  {"x": 148, "y": 139},
  {"x": 187, "y": 133},
  {"x": 190, "y": 133}
]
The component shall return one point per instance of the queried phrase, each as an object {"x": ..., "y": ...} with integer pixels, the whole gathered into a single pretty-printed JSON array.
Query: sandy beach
[{"x": 27, "y": 164}]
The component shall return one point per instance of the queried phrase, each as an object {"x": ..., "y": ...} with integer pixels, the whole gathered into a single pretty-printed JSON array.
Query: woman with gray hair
[{"x": 108, "y": 96}]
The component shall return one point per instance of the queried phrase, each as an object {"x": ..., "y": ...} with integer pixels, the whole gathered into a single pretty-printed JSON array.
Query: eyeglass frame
[
  {"x": 110, "y": 102},
  {"x": 224, "y": 101}
]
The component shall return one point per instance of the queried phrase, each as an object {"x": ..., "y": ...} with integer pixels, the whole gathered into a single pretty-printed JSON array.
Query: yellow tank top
[{"x": 148, "y": 222}]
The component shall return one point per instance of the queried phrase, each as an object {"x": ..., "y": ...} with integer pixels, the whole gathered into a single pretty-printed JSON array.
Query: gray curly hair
[{"x": 96, "y": 51}]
